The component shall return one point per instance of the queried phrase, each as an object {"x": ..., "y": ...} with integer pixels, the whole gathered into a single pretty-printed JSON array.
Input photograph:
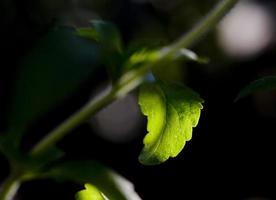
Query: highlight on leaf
[
  {"x": 108, "y": 182},
  {"x": 192, "y": 56},
  {"x": 90, "y": 193},
  {"x": 172, "y": 111},
  {"x": 263, "y": 84}
]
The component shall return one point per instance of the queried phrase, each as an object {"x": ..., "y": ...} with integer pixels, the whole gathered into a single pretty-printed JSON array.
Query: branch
[{"x": 132, "y": 79}]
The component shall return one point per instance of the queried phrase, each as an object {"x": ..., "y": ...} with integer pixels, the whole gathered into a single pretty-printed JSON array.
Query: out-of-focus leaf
[
  {"x": 50, "y": 73},
  {"x": 105, "y": 33},
  {"x": 40, "y": 161},
  {"x": 263, "y": 84},
  {"x": 90, "y": 193},
  {"x": 139, "y": 58},
  {"x": 88, "y": 33},
  {"x": 112, "y": 185},
  {"x": 172, "y": 112},
  {"x": 26, "y": 161},
  {"x": 109, "y": 38},
  {"x": 190, "y": 55}
]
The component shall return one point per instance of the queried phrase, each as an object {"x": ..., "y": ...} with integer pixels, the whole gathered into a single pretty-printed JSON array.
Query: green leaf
[
  {"x": 28, "y": 162},
  {"x": 112, "y": 185},
  {"x": 110, "y": 41},
  {"x": 106, "y": 33},
  {"x": 263, "y": 84},
  {"x": 50, "y": 73},
  {"x": 90, "y": 193},
  {"x": 172, "y": 112},
  {"x": 140, "y": 57},
  {"x": 190, "y": 55},
  {"x": 88, "y": 33}
]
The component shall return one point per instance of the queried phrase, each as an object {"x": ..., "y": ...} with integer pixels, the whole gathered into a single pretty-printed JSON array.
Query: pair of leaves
[
  {"x": 118, "y": 59},
  {"x": 172, "y": 112},
  {"x": 104, "y": 180}
]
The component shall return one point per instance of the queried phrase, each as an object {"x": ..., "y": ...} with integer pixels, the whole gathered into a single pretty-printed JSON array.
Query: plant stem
[
  {"x": 86, "y": 111},
  {"x": 10, "y": 187},
  {"x": 132, "y": 79},
  {"x": 207, "y": 24}
]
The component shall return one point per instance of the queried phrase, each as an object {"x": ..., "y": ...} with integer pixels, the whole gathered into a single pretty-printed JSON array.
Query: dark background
[{"x": 231, "y": 155}]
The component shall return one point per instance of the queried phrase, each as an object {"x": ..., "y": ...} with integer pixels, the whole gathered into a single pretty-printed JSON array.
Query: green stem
[
  {"x": 85, "y": 112},
  {"x": 10, "y": 187},
  {"x": 132, "y": 79},
  {"x": 207, "y": 24}
]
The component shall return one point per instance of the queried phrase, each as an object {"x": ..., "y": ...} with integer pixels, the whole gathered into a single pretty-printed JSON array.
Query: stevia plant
[{"x": 172, "y": 109}]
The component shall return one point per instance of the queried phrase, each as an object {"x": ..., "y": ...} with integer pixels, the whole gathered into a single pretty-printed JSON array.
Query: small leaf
[
  {"x": 172, "y": 112},
  {"x": 263, "y": 84},
  {"x": 110, "y": 41},
  {"x": 190, "y": 55},
  {"x": 112, "y": 185},
  {"x": 26, "y": 161},
  {"x": 140, "y": 57},
  {"x": 90, "y": 193},
  {"x": 50, "y": 73},
  {"x": 105, "y": 33},
  {"x": 88, "y": 33},
  {"x": 38, "y": 162}
]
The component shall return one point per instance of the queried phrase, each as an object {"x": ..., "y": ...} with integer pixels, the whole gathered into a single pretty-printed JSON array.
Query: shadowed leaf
[
  {"x": 51, "y": 72},
  {"x": 263, "y": 84}
]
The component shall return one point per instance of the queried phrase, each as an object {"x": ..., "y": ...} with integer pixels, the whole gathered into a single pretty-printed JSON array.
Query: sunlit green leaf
[
  {"x": 50, "y": 73},
  {"x": 172, "y": 112},
  {"x": 90, "y": 193},
  {"x": 112, "y": 185},
  {"x": 264, "y": 84}
]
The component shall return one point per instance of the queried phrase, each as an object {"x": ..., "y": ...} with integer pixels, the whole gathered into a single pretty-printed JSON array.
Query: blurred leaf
[
  {"x": 172, "y": 112},
  {"x": 7, "y": 149},
  {"x": 264, "y": 84},
  {"x": 190, "y": 55},
  {"x": 140, "y": 57},
  {"x": 112, "y": 185},
  {"x": 109, "y": 38},
  {"x": 40, "y": 161},
  {"x": 26, "y": 161},
  {"x": 105, "y": 33},
  {"x": 90, "y": 193},
  {"x": 88, "y": 33},
  {"x": 51, "y": 72}
]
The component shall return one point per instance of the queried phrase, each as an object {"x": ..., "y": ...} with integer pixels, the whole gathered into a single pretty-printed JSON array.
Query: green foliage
[
  {"x": 105, "y": 33},
  {"x": 109, "y": 38},
  {"x": 52, "y": 71},
  {"x": 172, "y": 112},
  {"x": 119, "y": 60},
  {"x": 263, "y": 84},
  {"x": 59, "y": 64},
  {"x": 107, "y": 181},
  {"x": 90, "y": 193}
]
